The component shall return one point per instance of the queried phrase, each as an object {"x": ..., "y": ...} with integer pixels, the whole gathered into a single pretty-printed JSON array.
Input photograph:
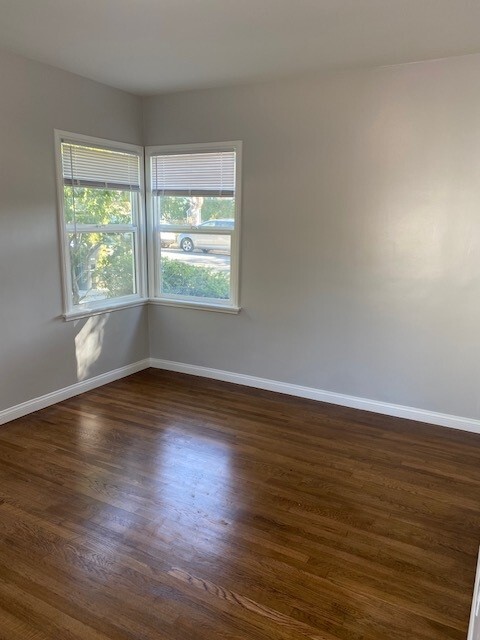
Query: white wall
[
  {"x": 38, "y": 352},
  {"x": 361, "y": 233}
]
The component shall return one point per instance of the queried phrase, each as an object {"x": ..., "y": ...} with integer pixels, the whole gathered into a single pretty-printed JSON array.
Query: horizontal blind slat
[
  {"x": 91, "y": 184},
  {"x": 204, "y": 173},
  {"x": 98, "y": 167},
  {"x": 193, "y": 192}
]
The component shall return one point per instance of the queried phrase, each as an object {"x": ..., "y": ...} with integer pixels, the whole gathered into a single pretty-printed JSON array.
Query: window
[
  {"x": 100, "y": 195},
  {"x": 194, "y": 224}
]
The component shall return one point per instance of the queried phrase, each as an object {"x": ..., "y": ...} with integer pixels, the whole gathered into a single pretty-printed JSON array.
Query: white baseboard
[
  {"x": 68, "y": 392},
  {"x": 385, "y": 408},
  {"x": 354, "y": 402}
]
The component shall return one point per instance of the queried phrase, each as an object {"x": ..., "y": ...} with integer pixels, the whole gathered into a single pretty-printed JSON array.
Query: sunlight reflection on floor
[{"x": 194, "y": 490}]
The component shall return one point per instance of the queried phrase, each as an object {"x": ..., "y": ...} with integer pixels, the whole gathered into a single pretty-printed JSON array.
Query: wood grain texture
[{"x": 165, "y": 506}]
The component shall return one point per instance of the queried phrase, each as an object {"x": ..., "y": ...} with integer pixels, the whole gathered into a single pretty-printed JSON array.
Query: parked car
[
  {"x": 167, "y": 238},
  {"x": 207, "y": 242}
]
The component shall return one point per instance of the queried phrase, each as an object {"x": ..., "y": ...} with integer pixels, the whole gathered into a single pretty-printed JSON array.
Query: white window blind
[
  {"x": 98, "y": 167},
  {"x": 194, "y": 174}
]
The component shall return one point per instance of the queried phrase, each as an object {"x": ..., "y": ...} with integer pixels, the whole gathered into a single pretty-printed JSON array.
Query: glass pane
[
  {"x": 103, "y": 266},
  {"x": 84, "y": 205},
  {"x": 194, "y": 210},
  {"x": 196, "y": 265}
]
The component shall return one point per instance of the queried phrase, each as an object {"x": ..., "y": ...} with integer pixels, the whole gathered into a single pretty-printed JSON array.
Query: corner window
[
  {"x": 100, "y": 195},
  {"x": 194, "y": 206}
]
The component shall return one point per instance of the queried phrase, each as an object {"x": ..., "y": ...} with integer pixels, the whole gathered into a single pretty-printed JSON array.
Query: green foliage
[
  {"x": 101, "y": 262},
  {"x": 175, "y": 209},
  {"x": 214, "y": 208},
  {"x": 84, "y": 205},
  {"x": 114, "y": 271},
  {"x": 185, "y": 279}
]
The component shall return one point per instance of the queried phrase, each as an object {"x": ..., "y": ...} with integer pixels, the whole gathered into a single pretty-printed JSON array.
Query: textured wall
[
  {"x": 360, "y": 266},
  {"x": 39, "y": 352}
]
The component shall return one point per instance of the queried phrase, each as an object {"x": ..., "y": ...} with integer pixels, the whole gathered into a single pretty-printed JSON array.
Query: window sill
[
  {"x": 203, "y": 306},
  {"x": 87, "y": 313},
  {"x": 97, "y": 311}
]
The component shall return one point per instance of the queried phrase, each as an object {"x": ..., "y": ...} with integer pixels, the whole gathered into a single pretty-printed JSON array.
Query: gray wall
[
  {"x": 360, "y": 265},
  {"x": 38, "y": 353},
  {"x": 360, "y": 243}
]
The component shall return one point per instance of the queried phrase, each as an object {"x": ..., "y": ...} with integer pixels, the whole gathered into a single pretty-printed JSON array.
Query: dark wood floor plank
[{"x": 171, "y": 507}]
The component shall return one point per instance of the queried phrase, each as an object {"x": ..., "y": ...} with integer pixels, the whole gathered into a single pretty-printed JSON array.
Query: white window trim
[
  {"x": 231, "y": 305},
  {"x": 190, "y": 304},
  {"x": 102, "y": 306}
]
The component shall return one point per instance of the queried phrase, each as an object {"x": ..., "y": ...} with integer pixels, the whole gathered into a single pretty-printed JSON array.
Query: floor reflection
[
  {"x": 177, "y": 495},
  {"x": 194, "y": 495}
]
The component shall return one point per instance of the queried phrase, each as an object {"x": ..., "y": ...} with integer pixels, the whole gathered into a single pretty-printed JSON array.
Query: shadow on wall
[{"x": 89, "y": 343}]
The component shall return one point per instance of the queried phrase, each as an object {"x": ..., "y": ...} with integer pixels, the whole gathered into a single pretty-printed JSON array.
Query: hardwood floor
[{"x": 165, "y": 506}]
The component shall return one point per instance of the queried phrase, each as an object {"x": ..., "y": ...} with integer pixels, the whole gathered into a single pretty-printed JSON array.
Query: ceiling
[{"x": 156, "y": 46}]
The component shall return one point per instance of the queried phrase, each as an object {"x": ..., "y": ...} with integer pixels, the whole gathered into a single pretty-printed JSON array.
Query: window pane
[
  {"x": 197, "y": 265},
  {"x": 85, "y": 205},
  {"x": 193, "y": 210},
  {"x": 102, "y": 266}
]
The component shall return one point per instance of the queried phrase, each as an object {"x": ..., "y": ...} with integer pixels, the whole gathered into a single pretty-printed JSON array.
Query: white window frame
[
  {"x": 154, "y": 249},
  {"x": 138, "y": 227}
]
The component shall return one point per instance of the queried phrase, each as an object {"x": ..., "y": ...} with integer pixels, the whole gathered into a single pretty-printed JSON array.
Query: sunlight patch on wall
[{"x": 88, "y": 344}]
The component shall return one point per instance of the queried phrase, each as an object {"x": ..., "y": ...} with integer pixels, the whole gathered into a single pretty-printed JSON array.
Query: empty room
[{"x": 239, "y": 319}]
